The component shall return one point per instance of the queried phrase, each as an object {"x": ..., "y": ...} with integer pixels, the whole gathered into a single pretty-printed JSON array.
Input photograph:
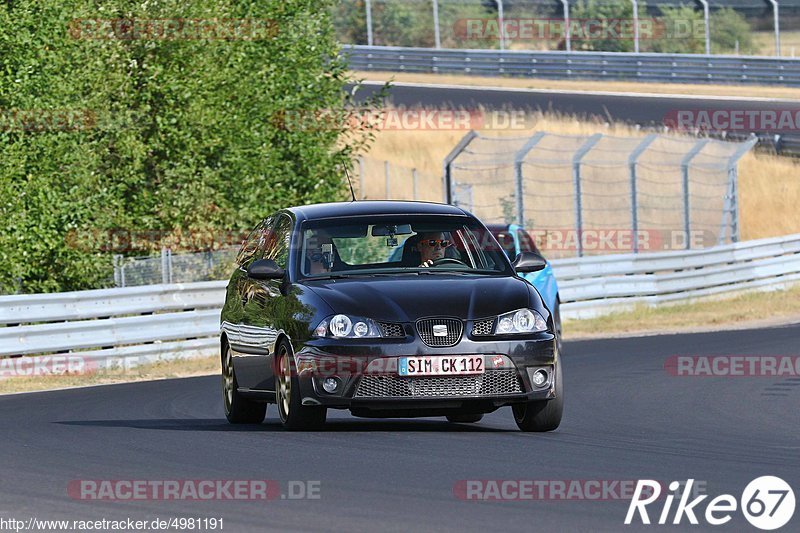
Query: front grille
[
  {"x": 390, "y": 329},
  {"x": 482, "y": 328},
  {"x": 491, "y": 383},
  {"x": 427, "y": 326}
]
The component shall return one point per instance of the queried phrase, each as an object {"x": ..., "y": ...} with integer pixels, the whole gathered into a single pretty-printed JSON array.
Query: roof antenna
[{"x": 349, "y": 179}]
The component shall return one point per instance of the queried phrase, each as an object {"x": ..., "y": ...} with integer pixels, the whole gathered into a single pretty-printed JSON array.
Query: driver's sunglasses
[{"x": 441, "y": 243}]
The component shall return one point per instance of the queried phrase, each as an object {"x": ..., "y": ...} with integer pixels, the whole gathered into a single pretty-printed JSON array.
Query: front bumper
[{"x": 369, "y": 385}]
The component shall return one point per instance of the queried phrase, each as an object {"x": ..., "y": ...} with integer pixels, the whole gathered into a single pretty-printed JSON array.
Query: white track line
[{"x": 586, "y": 93}]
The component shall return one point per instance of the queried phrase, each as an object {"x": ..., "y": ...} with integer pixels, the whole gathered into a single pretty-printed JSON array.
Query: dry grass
[
  {"x": 587, "y": 85},
  {"x": 769, "y": 186},
  {"x": 182, "y": 368},
  {"x": 790, "y": 43},
  {"x": 757, "y": 309}
]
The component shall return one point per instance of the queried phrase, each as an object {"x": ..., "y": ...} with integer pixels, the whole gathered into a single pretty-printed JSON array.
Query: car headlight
[
  {"x": 522, "y": 321},
  {"x": 347, "y": 327}
]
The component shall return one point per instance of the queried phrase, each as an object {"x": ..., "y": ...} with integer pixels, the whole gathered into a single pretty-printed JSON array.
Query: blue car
[{"x": 514, "y": 239}]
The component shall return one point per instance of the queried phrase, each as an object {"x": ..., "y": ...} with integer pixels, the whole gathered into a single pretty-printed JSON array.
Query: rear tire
[
  {"x": 294, "y": 416},
  {"x": 238, "y": 410},
  {"x": 542, "y": 415},
  {"x": 465, "y": 418}
]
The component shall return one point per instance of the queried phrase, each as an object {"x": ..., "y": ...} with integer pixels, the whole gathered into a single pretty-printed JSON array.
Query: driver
[{"x": 431, "y": 247}]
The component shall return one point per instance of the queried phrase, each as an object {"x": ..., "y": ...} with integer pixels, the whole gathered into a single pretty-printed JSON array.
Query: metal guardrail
[
  {"x": 616, "y": 66},
  {"x": 598, "y": 285},
  {"x": 113, "y": 327},
  {"x": 612, "y": 66},
  {"x": 159, "y": 322}
]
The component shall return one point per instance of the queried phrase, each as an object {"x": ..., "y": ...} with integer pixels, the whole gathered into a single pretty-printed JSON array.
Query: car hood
[{"x": 405, "y": 299}]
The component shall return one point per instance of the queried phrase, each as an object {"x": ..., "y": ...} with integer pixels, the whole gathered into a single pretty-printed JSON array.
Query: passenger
[{"x": 320, "y": 262}]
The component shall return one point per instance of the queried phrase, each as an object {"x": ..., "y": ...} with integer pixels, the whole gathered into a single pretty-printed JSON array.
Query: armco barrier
[
  {"x": 593, "y": 286},
  {"x": 612, "y": 66},
  {"x": 160, "y": 322}
]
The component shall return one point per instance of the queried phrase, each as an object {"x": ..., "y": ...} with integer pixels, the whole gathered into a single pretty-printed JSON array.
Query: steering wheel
[{"x": 447, "y": 261}]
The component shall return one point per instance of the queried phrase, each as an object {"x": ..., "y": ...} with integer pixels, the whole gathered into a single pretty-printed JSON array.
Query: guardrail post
[
  {"x": 436, "y": 32},
  {"x": 414, "y": 182},
  {"x": 369, "y": 22},
  {"x": 116, "y": 261},
  {"x": 687, "y": 216},
  {"x": 447, "y": 176},
  {"x": 519, "y": 157},
  {"x": 501, "y": 23},
  {"x": 567, "y": 32},
  {"x": 635, "y": 26},
  {"x": 632, "y": 162},
  {"x": 707, "y": 26},
  {"x": 777, "y": 17},
  {"x": 169, "y": 263},
  {"x": 164, "y": 267},
  {"x": 576, "y": 175},
  {"x": 732, "y": 200}
]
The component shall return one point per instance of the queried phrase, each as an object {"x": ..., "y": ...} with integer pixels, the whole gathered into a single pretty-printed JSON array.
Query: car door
[
  {"x": 240, "y": 305},
  {"x": 263, "y": 318}
]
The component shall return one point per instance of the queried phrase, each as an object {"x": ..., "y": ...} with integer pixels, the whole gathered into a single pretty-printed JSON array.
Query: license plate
[{"x": 441, "y": 366}]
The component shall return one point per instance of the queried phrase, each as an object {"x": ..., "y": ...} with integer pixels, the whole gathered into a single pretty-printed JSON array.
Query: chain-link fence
[
  {"x": 382, "y": 180},
  {"x": 173, "y": 268},
  {"x": 660, "y": 26},
  {"x": 577, "y": 185}
]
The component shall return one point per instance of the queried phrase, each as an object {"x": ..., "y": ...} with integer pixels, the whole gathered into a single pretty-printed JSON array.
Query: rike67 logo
[{"x": 767, "y": 503}]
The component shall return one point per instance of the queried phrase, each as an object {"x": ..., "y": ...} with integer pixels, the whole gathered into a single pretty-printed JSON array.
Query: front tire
[
  {"x": 294, "y": 416},
  {"x": 238, "y": 410},
  {"x": 542, "y": 415}
]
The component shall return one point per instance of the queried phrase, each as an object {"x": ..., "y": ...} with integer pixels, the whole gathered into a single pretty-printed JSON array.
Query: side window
[
  {"x": 506, "y": 241},
  {"x": 254, "y": 242},
  {"x": 277, "y": 247},
  {"x": 526, "y": 244}
]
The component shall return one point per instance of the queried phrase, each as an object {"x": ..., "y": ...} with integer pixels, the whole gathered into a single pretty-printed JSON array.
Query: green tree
[
  {"x": 181, "y": 133},
  {"x": 606, "y": 40},
  {"x": 679, "y": 31},
  {"x": 728, "y": 27}
]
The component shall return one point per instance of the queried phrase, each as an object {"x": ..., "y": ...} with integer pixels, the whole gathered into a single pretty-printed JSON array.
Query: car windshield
[{"x": 398, "y": 245}]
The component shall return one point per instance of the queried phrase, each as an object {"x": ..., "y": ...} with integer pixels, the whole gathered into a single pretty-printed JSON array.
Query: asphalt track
[
  {"x": 645, "y": 110},
  {"x": 626, "y": 418}
]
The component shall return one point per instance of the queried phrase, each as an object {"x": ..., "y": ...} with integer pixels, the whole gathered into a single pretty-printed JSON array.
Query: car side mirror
[
  {"x": 265, "y": 269},
  {"x": 529, "y": 262}
]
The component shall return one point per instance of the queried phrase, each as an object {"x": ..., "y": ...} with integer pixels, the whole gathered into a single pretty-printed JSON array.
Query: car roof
[{"x": 373, "y": 207}]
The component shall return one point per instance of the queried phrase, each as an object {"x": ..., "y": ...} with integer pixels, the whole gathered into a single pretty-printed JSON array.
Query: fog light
[
  {"x": 330, "y": 385},
  {"x": 539, "y": 378}
]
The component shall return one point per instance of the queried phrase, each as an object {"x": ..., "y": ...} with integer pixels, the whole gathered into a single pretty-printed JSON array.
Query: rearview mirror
[
  {"x": 529, "y": 262},
  {"x": 264, "y": 269},
  {"x": 396, "y": 229}
]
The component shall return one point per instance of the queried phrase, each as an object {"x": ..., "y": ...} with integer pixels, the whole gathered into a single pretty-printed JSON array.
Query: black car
[{"x": 322, "y": 312}]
